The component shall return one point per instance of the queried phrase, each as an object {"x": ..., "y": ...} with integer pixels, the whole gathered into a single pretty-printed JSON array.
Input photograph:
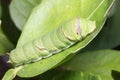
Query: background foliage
[{"x": 98, "y": 61}]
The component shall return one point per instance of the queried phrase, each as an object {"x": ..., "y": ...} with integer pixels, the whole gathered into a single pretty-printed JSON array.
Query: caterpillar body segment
[{"x": 65, "y": 36}]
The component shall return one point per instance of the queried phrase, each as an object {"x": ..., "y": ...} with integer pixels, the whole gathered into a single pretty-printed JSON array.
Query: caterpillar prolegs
[{"x": 65, "y": 36}]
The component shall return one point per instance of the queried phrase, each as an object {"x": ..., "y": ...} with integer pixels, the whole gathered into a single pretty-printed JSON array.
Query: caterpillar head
[
  {"x": 86, "y": 27},
  {"x": 78, "y": 28}
]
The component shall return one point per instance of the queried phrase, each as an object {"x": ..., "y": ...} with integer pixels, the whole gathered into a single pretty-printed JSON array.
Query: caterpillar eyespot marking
[{"x": 65, "y": 36}]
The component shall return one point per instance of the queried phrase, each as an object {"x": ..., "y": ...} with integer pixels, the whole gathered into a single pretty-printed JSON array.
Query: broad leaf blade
[
  {"x": 47, "y": 16},
  {"x": 72, "y": 75},
  {"x": 21, "y": 10},
  {"x": 97, "y": 62},
  {"x": 109, "y": 33},
  {"x": 10, "y": 75},
  {"x": 48, "y": 11}
]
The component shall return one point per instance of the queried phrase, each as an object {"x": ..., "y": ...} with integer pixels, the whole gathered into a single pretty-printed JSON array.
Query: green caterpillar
[{"x": 68, "y": 34}]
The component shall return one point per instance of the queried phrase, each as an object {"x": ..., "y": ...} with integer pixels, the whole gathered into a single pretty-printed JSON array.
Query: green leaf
[
  {"x": 38, "y": 24},
  {"x": 63, "y": 74},
  {"x": 108, "y": 37},
  {"x": 48, "y": 15},
  {"x": 21, "y": 10},
  {"x": 5, "y": 44},
  {"x": 72, "y": 75},
  {"x": 97, "y": 62},
  {"x": 10, "y": 74}
]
